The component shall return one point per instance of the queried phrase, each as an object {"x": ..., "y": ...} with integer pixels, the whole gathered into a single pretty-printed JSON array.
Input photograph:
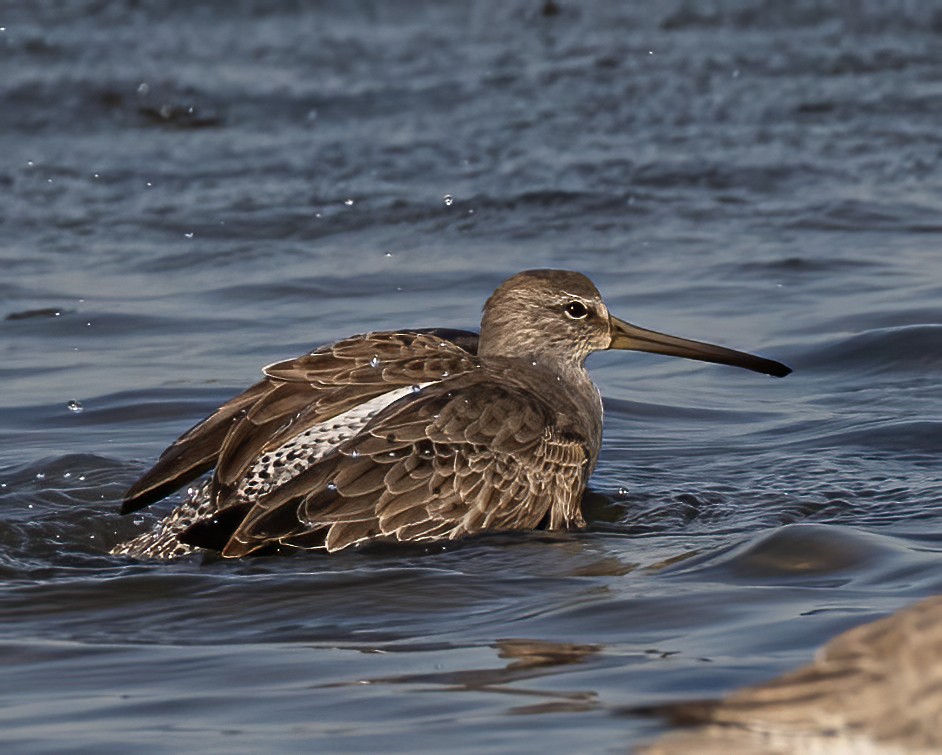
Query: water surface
[{"x": 191, "y": 193}]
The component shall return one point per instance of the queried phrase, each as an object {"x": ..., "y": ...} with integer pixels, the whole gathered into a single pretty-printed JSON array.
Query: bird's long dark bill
[{"x": 631, "y": 337}]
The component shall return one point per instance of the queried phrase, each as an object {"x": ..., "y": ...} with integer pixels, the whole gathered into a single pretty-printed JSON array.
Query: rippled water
[{"x": 191, "y": 193}]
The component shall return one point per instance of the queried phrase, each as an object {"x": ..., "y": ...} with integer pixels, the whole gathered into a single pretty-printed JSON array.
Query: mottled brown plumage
[
  {"x": 876, "y": 688},
  {"x": 412, "y": 435}
]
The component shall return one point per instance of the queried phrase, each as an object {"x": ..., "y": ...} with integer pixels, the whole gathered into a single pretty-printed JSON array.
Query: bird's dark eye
[{"x": 576, "y": 310}]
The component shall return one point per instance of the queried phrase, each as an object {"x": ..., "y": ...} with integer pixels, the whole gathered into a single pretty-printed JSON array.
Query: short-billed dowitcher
[{"x": 412, "y": 435}]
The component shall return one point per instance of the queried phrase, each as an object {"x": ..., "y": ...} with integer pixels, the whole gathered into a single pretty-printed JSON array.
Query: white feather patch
[{"x": 274, "y": 468}]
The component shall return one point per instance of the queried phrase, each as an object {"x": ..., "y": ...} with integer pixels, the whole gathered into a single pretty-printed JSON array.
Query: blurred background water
[{"x": 190, "y": 192}]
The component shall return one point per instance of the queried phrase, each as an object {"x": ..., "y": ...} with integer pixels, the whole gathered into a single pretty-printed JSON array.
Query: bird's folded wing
[
  {"x": 192, "y": 454},
  {"x": 460, "y": 457},
  {"x": 293, "y": 396}
]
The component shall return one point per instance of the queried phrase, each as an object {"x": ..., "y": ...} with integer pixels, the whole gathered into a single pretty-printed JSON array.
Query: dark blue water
[{"x": 192, "y": 192}]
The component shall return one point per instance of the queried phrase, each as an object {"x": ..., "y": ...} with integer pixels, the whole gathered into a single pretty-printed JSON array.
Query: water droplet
[
  {"x": 143, "y": 88},
  {"x": 471, "y": 212},
  {"x": 317, "y": 215},
  {"x": 374, "y": 361},
  {"x": 188, "y": 235},
  {"x": 448, "y": 199},
  {"x": 75, "y": 406},
  {"x": 82, "y": 477},
  {"x": 30, "y": 163},
  {"x": 622, "y": 491},
  {"x": 533, "y": 363},
  {"x": 29, "y": 505},
  {"x": 40, "y": 475},
  {"x": 94, "y": 175},
  {"x": 354, "y": 454},
  {"x": 389, "y": 254},
  {"x": 331, "y": 487},
  {"x": 416, "y": 388},
  {"x": 67, "y": 475},
  {"x": 348, "y": 202},
  {"x": 445, "y": 373},
  {"x": 149, "y": 184}
]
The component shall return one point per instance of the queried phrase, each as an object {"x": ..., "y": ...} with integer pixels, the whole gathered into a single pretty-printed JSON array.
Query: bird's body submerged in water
[{"x": 409, "y": 436}]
